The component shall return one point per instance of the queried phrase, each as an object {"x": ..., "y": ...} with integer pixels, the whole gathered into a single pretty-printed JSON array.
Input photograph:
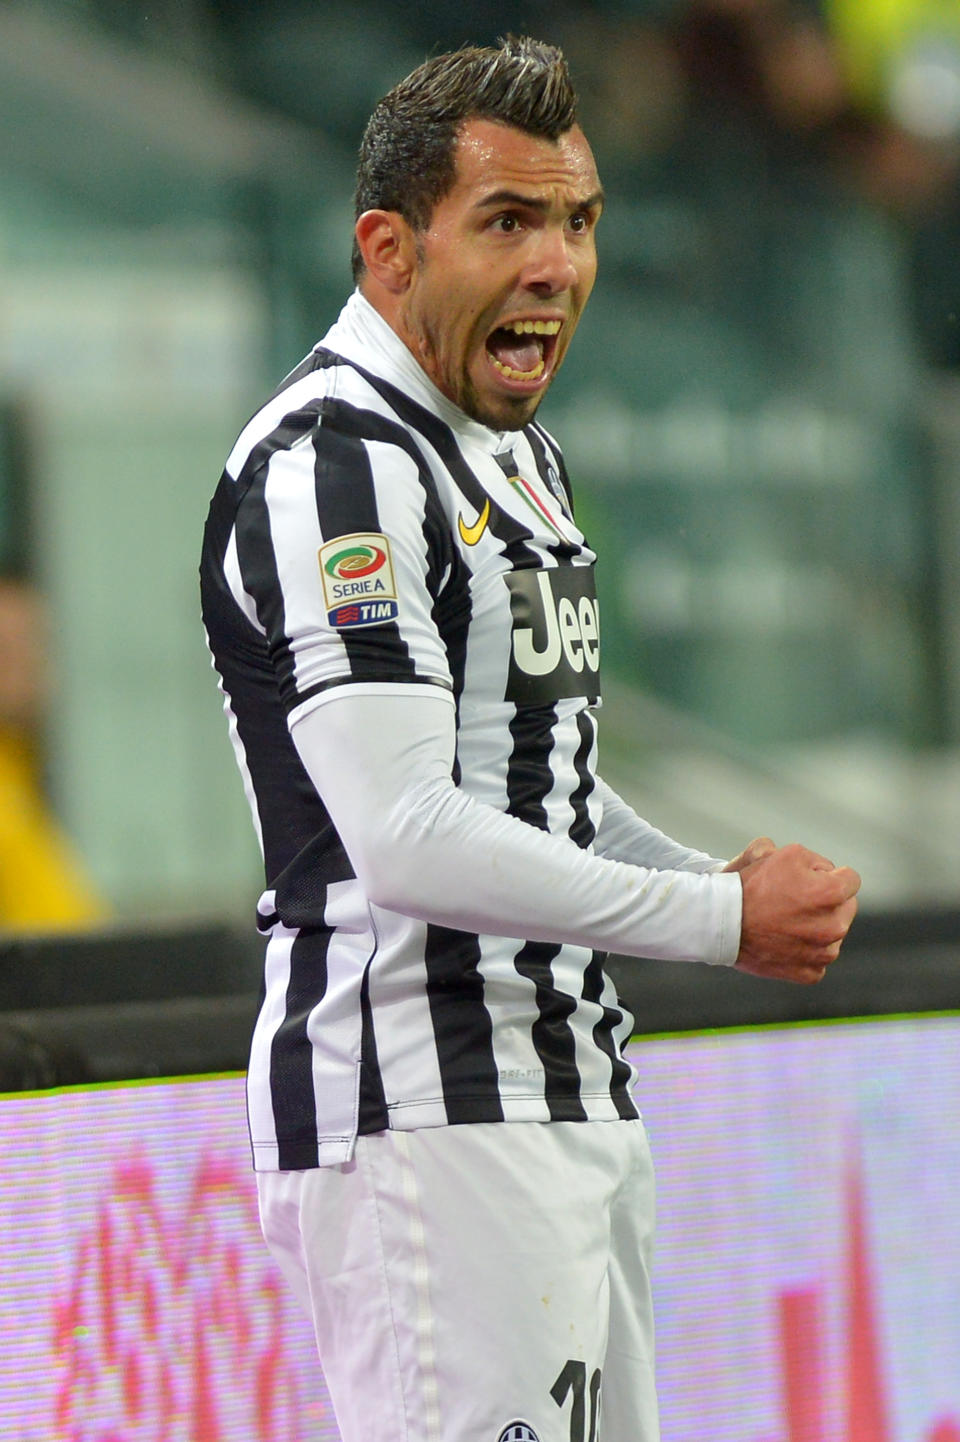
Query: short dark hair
[{"x": 407, "y": 161}]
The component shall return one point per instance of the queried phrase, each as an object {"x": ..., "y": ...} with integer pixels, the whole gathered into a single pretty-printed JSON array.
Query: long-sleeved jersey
[{"x": 371, "y": 547}]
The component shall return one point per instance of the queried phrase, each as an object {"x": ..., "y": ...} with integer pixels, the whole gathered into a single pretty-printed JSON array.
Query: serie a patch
[{"x": 359, "y": 588}]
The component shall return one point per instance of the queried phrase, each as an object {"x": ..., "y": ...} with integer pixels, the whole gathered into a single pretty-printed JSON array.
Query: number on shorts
[{"x": 573, "y": 1379}]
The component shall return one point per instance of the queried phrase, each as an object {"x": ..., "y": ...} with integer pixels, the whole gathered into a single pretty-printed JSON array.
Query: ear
[{"x": 388, "y": 247}]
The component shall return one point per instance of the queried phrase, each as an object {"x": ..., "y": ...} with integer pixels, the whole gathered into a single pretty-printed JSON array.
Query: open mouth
[{"x": 522, "y": 350}]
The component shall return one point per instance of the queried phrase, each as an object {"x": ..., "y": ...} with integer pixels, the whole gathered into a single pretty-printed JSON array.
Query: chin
[{"x": 501, "y": 413}]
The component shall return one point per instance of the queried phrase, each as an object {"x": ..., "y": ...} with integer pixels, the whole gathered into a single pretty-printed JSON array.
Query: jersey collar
[{"x": 361, "y": 334}]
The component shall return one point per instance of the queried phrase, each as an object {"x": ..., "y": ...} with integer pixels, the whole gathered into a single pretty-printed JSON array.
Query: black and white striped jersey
[{"x": 366, "y": 534}]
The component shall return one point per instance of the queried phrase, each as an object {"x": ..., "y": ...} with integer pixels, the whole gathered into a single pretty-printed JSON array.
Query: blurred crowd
[
  {"x": 859, "y": 95},
  {"x": 856, "y": 98}
]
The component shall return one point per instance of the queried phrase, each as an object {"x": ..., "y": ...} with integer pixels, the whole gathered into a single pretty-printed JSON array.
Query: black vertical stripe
[
  {"x": 530, "y": 776},
  {"x": 462, "y": 1026},
  {"x": 452, "y": 613},
  {"x": 258, "y": 571},
  {"x": 551, "y": 1034},
  {"x": 373, "y": 1116},
  {"x": 347, "y": 502},
  {"x": 290, "y": 429},
  {"x": 593, "y": 984},
  {"x": 369, "y": 425},
  {"x": 258, "y": 565},
  {"x": 582, "y": 829},
  {"x": 563, "y": 550},
  {"x": 529, "y": 782},
  {"x": 545, "y": 448},
  {"x": 291, "y": 1053},
  {"x": 547, "y": 468}
]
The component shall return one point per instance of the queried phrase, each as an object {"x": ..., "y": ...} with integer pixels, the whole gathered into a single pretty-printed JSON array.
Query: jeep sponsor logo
[
  {"x": 358, "y": 584},
  {"x": 556, "y": 635}
]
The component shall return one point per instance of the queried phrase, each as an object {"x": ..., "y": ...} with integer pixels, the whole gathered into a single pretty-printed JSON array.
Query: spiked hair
[{"x": 407, "y": 156}]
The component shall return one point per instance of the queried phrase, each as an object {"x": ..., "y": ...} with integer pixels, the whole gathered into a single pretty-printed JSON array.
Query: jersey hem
[
  {"x": 435, "y": 1111},
  {"x": 415, "y": 1116},
  {"x": 302, "y": 1156}
]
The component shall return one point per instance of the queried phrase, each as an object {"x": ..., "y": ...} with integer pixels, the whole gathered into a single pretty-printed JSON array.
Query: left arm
[
  {"x": 809, "y": 901},
  {"x": 625, "y": 836}
]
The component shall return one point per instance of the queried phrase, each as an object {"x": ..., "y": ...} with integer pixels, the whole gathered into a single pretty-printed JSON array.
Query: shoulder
[
  {"x": 326, "y": 408},
  {"x": 291, "y": 413}
]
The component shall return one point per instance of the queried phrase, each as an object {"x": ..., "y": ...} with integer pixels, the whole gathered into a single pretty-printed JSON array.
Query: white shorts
[{"x": 479, "y": 1283}]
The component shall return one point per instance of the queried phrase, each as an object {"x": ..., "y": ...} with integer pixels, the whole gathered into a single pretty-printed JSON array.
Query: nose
[{"x": 550, "y": 269}]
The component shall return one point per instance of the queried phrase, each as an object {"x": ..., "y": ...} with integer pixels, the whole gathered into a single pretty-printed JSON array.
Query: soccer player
[{"x": 401, "y": 608}]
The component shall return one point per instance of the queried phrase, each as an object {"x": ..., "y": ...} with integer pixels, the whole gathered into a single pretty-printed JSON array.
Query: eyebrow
[{"x": 532, "y": 202}]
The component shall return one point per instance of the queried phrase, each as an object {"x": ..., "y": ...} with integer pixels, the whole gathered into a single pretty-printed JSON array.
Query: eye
[
  {"x": 581, "y": 221},
  {"x": 506, "y": 224}
]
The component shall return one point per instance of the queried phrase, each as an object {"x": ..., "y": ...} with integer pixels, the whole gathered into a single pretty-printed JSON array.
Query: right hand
[{"x": 797, "y": 909}]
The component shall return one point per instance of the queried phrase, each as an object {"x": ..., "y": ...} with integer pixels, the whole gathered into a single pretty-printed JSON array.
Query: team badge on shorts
[
  {"x": 518, "y": 1432},
  {"x": 358, "y": 583}
]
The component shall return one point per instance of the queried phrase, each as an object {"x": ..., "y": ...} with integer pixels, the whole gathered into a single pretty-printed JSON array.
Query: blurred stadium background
[{"x": 761, "y": 412}]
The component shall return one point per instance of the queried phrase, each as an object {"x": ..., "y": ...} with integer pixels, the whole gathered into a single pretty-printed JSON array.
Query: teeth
[
  {"x": 513, "y": 375},
  {"x": 533, "y": 327}
]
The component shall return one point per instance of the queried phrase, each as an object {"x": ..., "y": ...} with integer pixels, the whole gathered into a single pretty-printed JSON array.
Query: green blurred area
[{"x": 752, "y": 411}]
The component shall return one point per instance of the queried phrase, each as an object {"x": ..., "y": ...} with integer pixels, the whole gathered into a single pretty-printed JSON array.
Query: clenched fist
[{"x": 797, "y": 909}]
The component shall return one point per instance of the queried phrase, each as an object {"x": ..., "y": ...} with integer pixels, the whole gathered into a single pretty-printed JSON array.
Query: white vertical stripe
[
  {"x": 234, "y": 579},
  {"x": 296, "y": 537},
  {"x": 520, "y": 1069},
  {"x": 405, "y": 1050},
  {"x": 300, "y": 394},
  {"x": 558, "y": 803},
  {"x": 263, "y": 1127},
  {"x": 401, "y": 507},
  {"x": 334, "y": 1025}
]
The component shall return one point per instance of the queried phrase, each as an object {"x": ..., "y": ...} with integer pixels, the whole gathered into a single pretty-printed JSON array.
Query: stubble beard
[
  {"x": 513, "y": 413},
  {"x": 509, "y": 413}
]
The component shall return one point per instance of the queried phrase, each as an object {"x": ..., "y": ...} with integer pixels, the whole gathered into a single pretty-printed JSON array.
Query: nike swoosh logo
[{"x": 470, "y": 535}]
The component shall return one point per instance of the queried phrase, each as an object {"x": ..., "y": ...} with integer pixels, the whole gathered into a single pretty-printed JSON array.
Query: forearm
[
  {"x": 624, "y": 836},
  {"x": 423, "y": 847}
]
